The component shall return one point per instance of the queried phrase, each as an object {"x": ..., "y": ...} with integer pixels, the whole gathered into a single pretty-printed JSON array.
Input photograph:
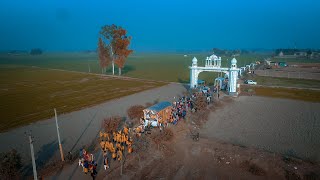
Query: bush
[
  {"x": 10, "y": 164},
  {"x": 111, "y": 124},
  {"x": 135, "y": 112},
  {"x": 36, "y": 51},
  {"x": 201, "y": 103},
  {"x": 165, "y": 135}
]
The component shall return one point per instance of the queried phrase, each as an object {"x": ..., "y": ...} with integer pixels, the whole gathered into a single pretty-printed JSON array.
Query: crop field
[
  {"x": 295, "y": 60},
  {"x": 171, "y": 67},
  {"x": 29, "y": 94},
  {"x": 284, "y": 82},
  {"x": 279, "y": 92}
]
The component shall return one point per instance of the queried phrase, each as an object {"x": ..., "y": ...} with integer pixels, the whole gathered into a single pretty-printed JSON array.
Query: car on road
[{"x": 250, "y": 82}]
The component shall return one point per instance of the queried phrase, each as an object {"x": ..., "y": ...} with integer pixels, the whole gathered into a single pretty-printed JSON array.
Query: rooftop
[{"x": 160, "y": 106}]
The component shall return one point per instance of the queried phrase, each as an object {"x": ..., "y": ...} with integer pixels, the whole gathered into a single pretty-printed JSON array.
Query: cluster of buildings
[{"x": 298, "y": 54}]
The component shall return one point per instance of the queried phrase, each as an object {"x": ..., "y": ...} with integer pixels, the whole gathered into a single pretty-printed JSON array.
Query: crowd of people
[
  {"x": 187, "y": 103},
  {"x": 87, "y": 162},
  {"x": 180, "y": 107}
]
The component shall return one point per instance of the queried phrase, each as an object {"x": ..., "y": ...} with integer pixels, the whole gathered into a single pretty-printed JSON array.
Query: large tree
[
  {"x": 116, "y": 42},
  {"x": 104, "y": 55}
]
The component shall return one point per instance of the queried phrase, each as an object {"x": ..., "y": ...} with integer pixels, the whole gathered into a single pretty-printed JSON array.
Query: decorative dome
[
  {"x": 194, "y": 60},
  {"x": 234, "y": 61},
  {"x": 213, "y": 56}
]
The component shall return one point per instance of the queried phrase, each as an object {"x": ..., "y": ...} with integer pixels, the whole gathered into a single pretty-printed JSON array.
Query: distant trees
[
  {"x": 226, "y": 52},
  {"x": 36, "y": 51},
  {"x": 309, "y": 52},
  {"x": 10, "y": 164},
  {"x": 286, "y": 51},
  {"x": 113, "y": 46}
]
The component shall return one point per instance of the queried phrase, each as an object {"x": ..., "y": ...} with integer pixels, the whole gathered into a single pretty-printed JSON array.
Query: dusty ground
[
  {"x": 216, "y": 156},
  {"x": 77, "y": 128},
  {"x": 232, "y": 145},
  {"x": 294, "y": 70},
  {"x": 277, "y": 125}
]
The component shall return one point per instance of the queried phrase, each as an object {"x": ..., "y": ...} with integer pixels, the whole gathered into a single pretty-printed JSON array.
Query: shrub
[
  {"x": 201, "y": 103},
  {"x": 111, "y": 124},
  {"x": 135, "y": 112},
  {"x": 10, "y": 164}
]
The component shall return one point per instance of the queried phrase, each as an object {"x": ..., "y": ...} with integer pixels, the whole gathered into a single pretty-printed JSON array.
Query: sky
[{"x": 161, "y": 25}]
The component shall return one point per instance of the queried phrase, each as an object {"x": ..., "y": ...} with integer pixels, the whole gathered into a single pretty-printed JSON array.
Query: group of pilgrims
[
  {"x": 115, "y": 144},
  {"x": 187, "y": 103},
  {"x": 87, "y": 162}
]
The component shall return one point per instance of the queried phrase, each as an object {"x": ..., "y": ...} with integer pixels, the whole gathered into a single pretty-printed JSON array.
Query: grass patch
[
  {"x": 171, "y": 67},
  {"x": 30, "y": 94},
  {"x": 299, "y": 60},
  {"x": 284, "y": 82},
  {"x": 288, "y": 93}
]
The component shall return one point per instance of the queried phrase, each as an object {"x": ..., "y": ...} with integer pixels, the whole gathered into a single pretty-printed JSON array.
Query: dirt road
[
  {"x": 78, "y": 128},
  {"x": 277, "y": 125}
]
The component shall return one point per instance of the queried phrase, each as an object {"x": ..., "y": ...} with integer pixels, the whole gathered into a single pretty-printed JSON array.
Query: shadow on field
[
  {"x": 44, "y": 156},
  {"x": 124, "y": 70},
  {"x": 128, "y": 68},
  {"x": 46, "y": 153}
]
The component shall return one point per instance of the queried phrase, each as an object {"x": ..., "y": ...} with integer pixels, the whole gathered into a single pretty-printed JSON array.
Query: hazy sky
[{"x": 161, "y": 25}]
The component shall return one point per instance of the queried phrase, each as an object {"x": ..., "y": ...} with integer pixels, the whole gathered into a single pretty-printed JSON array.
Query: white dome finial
[
  {"x": 194, "y": 61},
  {"x": 233, "y": 61}
]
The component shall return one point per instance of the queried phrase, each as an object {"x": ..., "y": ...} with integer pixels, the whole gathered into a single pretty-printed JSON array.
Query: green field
[
  {"x": 296, "y": 60},
  {"x": 29, "y": 94},
  {"x": 171, "y": 67},
  {"x": 29, "y": 90},
  {"x": 284, "y": 82},
  {"x": 287, "y": 93}
]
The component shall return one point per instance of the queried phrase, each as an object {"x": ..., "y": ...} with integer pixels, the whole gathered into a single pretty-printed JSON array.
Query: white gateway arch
[{"x": 213, "y": 64}]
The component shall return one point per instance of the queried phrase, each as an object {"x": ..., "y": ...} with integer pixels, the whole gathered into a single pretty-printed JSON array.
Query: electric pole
[
  {"x": 60, "y": 146},
  {"x": 89, "y": 67},
  {"x": 35, "y": 176}
]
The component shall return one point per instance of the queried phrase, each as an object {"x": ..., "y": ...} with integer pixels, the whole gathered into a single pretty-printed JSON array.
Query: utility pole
[
  {"x": 89, "y": 67},
  {"x": 35, "y": 176},
  {"x": 60, "y": 146},
  {"x": 112, "y": 59}
]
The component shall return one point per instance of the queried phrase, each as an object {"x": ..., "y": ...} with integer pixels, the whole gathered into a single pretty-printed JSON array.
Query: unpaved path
[
  {"x": 77, "y": 128},
  {"x": 277, "y": 125},
  {"x": 214, "y": 157}
]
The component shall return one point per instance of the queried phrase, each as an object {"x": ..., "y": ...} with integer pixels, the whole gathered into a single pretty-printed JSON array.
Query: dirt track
[
  {"x": 214, "y": 157},
  {"x": 277, "y": 125},
  {"x": 78, "y": 128}
]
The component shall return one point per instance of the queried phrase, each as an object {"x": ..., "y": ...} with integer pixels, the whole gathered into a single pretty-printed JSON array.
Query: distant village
[{"x": 297, "y": 53}]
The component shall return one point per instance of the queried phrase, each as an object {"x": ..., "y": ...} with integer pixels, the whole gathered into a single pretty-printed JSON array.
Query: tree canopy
[{"x": 113, "y": 46}]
